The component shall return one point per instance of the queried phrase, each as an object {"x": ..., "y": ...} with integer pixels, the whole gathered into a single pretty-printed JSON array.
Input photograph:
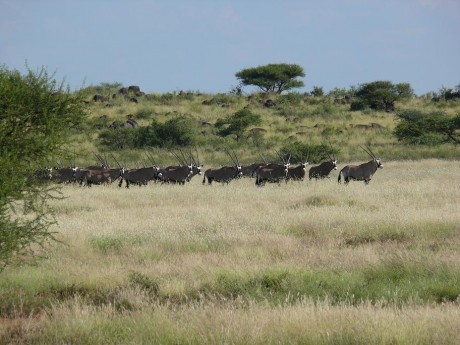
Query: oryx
[
  {"x": 322, "y": 170},
  {"x": 224, "y": 174},
  {"x": 250, "y": 169},
  {"x": 43, "y": 175},
  {"x": 64, "y": 175},
  {"x": 140, "y": 176},
  {"x": 298, "y": 172},
  {"x": 96, "y": 176},
  {"x": 99, "y": 174},
  {"x": 272, "y": 172},
  {"x": 179, "y": 173},
  {"x": 362, "y": 172},
  {"x": 196, "y": 165}
]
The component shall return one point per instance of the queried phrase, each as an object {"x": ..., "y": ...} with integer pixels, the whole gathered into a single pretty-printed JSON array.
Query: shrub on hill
[
  {"x": 237, "y": 123},
  {"x": 380, "y": 95},
  {"x": 179, "y": 131},
  {"x": 433, "y": 128},
  {"x": 301, "y": 152}
]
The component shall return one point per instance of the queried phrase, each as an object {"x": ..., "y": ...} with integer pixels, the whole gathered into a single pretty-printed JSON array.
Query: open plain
[{"x": 312, "y": 262}]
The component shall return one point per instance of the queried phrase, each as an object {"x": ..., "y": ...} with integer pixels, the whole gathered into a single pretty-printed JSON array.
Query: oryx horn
[
  {"x": 116, "y": 161},
  {"x": 370, "y": 154}
]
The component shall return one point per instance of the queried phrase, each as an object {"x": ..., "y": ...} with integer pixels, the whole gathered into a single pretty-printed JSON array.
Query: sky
[{"x": 199, "y": 46}]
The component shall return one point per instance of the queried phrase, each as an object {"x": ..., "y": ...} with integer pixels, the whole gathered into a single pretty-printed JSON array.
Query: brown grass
[{"x": 183, "y": 236}]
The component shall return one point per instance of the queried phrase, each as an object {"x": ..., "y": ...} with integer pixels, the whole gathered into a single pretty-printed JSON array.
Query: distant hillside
[{"x": 127, "y": 122}]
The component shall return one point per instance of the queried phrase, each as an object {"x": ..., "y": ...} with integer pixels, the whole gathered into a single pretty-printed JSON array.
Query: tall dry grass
[{"x": 309, "y": 262}]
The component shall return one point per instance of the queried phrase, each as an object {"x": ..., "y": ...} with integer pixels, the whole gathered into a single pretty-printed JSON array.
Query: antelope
[
  {"x": 64, "y": 175},
  {"x": 272, "y": 172},
  {"x": 224, "y": 174},
  {"x": 249, "y": 170},
  {"x": 96, "y": 176},
  {"x": 196, "y": 166},
  {"x": 323, "y": 170},
  {"x": 99, "y": 174},
  {"x": 181, "y": 173},
  {"x": 362, "y": 172},
  {"x": 297, "y": 173},
  {"x": 140, "y": 176},
  {"x": 178, "y": 174},
  {"x": 43, "y": 175}
]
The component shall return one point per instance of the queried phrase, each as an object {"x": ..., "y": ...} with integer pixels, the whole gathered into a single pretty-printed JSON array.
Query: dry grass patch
[{"x": 235, "y": 263}]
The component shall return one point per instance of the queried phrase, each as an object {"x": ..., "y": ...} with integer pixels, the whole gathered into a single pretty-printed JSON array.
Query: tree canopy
[
  {"x": 381, "y": 95},
  {"x": 272, "y": 77},
  {"x": 36, "y": 114},
  {"x": 433, "y": 128}
]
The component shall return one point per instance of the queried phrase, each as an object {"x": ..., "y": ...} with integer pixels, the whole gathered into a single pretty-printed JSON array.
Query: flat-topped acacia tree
[{"x": 272, "y": 77}]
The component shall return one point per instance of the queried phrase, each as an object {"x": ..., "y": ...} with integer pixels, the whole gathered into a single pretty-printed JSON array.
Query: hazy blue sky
[{"x": 172, "y": 45}]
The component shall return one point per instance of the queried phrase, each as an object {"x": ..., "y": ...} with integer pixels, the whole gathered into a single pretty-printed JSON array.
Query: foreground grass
[{"x": 312, "y": 262}]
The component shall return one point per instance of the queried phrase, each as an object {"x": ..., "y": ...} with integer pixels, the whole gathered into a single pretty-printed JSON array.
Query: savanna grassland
[
  {"x": 295, "y": 118},
  {"x": 310, "y": 262}
]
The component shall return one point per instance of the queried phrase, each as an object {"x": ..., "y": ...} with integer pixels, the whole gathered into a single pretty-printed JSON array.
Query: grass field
[{"x": 310, "y": 262}]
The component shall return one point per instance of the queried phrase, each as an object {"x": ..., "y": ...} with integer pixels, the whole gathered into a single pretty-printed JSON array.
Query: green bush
[
  {"x": 433, "y": 128},
  {"x": 162, "y": 99},
  {"x": 106, "y": 243},
  {"x": 100, "y": 89},
  {"x": 292, "y": 98},
  {"x": 317, "y": 91},
  {"x": 144, "y": 113},
  {"x": 381, "y": 95},
  {"x": 119, "y": 138},
  {"x": 237, "y": 123},
  {"x": 179, "y": 131},
  {"x": 36, "y": 117},
  {"x": 222, "y": 99},
  {"x": 144, "y": 282},
  {"x": 314, "y": 153}
]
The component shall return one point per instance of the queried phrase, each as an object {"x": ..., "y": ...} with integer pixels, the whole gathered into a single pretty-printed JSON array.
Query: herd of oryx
[{"x": 189, "y": 166}]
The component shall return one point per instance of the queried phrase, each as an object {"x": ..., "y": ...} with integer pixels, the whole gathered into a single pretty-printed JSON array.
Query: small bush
[
  {"x": 237, "y": 123},
  {"x": 144, "y": 282},
  {"x": 106, "y": 243},
  {"x": 144, "y": 114},
  {"x": 313, "y": 153},
  {"x": 293, "y": 99},
  {"x": 118, "y": 139},
  {"x": 222, "y": 99},
  {"x": 358, "y": 105}
]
